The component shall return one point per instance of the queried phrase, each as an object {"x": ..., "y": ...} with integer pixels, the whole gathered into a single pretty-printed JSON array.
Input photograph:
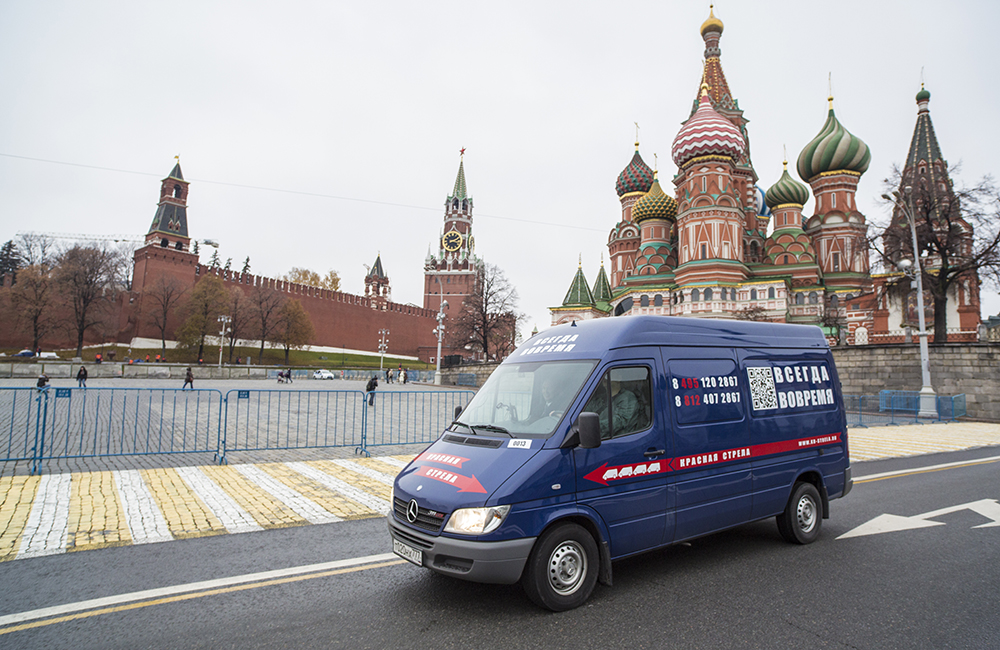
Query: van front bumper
[{"x": 475, "y": 561}]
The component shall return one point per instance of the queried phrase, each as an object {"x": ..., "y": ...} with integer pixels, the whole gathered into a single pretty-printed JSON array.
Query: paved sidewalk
[{"x": 95, "y": 503}]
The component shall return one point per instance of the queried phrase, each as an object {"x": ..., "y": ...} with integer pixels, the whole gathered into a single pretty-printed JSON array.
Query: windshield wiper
[
  {"x": 493, "y": 427},
  {"x": 463, "y": 424}
]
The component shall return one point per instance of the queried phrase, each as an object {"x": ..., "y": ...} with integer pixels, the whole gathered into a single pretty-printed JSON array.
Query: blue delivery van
[{"x": 602, "y": 439}]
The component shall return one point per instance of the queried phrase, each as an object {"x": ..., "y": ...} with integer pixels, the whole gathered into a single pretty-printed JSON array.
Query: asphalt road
[{"x": 933, "y": 586}]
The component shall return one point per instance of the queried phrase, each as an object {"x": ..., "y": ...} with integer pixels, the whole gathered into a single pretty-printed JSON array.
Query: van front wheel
[
  {"x": 803, "y": 516},
  {"x": 562, "y": 569}
]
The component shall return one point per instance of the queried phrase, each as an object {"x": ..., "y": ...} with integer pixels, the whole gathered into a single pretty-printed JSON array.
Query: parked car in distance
[
  {"x": 25, "y": 353},
  {"x": 322, "y": 374}
]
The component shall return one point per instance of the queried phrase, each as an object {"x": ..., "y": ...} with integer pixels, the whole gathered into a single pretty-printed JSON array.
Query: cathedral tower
[
  {"x": 832, "y": 163},
  {"x": 623, "y": 241}
]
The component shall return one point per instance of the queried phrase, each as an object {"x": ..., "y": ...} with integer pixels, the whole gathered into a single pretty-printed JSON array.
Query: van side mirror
[
  {"x": 589, "y": 426},
  {"x": 458, "y": 411}
]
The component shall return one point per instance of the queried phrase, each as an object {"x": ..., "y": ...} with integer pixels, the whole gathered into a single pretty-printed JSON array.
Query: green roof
[{"x": 579, "y": 294}]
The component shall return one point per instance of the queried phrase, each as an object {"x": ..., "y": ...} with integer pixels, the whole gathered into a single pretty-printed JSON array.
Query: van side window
[{"x": 623, "y": 401}]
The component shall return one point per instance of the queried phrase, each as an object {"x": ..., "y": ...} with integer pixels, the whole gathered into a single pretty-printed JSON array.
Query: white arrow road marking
[{"x": 988, "y": 508}]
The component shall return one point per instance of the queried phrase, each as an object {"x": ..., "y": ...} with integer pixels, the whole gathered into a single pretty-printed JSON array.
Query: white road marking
[
  {"x": 358, "y": 468},
  {"x": 929, "y": 468},
  {"x": 370, "y": 501},
  {"x": 395, "y": 462},
  {"x": 145, "y": 522},
  {"x": 300, "y": 504},
  {"x": 223, "y": 506},
  {"x": 147, "y": 594},
  {"x": 48, "y": 523}
]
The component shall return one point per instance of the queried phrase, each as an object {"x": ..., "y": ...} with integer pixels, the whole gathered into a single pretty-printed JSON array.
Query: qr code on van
[{"x": 762, "y": 389}]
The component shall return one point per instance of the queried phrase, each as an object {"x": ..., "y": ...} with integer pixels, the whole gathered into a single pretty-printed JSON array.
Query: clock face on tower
[{"x": 452, "y": 240}]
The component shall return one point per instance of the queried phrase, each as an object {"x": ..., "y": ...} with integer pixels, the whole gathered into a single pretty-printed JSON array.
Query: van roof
[{"x": 599, "y": 335}]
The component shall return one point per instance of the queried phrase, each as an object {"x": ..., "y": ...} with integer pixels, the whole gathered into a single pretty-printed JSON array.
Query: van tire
[
  {"x": 803, "y": 516},
  {"x": 562, "y": 568}
]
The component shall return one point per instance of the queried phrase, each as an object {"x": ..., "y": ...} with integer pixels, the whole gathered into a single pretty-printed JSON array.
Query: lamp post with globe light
[
  {"x": 439, "y": 331},
  {"x": 928, "y": 399}
]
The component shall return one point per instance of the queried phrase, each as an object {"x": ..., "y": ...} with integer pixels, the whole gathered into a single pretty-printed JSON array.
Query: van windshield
[{"x": 525, "y": 399}]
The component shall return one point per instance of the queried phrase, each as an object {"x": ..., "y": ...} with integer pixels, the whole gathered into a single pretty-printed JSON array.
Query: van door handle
[{"x": 654, "y": 452}]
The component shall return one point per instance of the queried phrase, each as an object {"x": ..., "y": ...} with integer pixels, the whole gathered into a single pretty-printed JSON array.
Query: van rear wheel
[
  {"x": 562, "y": 569},
  {"x": 803, "y": 516}
]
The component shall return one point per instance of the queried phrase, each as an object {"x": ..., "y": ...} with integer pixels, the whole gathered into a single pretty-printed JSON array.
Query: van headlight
[{"x": 476, "y": 521}]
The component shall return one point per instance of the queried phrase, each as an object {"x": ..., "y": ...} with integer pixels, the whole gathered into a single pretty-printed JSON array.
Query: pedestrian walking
[
  {"x": 188, "y": 379},
  {"x": 43, "y": 381},
  {"x": 372, "y": 385},
  {"x": 81, "y": 377}
]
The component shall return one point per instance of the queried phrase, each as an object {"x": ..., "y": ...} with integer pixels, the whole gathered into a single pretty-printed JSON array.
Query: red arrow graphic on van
[
  {"x": 603, "y": 474},
  {"x": 463, "y": 483}
]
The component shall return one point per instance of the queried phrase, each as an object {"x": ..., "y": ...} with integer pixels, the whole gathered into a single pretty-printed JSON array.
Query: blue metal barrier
[
  {"x": 59, "y": 423},
  {"x": 256, "y": 420},
  {"x": 404, "y": 417},
  {"x": 899, "y": 407}
]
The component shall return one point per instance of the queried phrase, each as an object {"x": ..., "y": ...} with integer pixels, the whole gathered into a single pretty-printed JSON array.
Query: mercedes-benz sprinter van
[{"x": 606, "y": 438}]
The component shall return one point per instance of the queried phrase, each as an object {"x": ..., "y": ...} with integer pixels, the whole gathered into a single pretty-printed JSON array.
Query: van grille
[
  {"x": 475, "y": 442},
  {"x": 429, "y": 520}
]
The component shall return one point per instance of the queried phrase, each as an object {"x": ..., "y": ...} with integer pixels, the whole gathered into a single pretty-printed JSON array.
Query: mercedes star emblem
[{"x": 412, "y": 511}]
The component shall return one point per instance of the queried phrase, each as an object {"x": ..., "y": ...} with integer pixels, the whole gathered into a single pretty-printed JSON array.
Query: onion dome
[
  {"x": 713, "y": 24},
  {"x": 707, "y": 133},
  {"x": 636, "y": 177},
  {"x": 834, "y": 149},
  {"x": 760, "y": 204},
  {"x": 654, "y": 205},
  {"x": 924, "y": 95},
  {"x": 786, "y": 190}
]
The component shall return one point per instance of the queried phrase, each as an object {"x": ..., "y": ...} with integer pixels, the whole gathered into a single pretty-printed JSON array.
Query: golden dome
[{"x": 713, "y": 24}]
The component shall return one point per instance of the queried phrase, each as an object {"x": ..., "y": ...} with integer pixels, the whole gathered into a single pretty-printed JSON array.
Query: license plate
[{"x": 407, "y": 552}]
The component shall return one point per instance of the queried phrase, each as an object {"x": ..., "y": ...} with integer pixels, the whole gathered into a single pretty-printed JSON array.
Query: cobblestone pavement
[{"x": 92, "y": 503}]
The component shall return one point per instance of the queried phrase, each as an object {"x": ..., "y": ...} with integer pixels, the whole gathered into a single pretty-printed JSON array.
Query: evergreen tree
[
  {"x": 229, "y": 263},
  {"x": 195, "y": 249},
  {"x": 214, "y": 261},
  {"x": 246, "y": 265},
  {"x": 10, "y": 259}
]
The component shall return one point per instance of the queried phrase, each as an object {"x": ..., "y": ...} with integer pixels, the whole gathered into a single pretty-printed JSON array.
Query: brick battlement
[{"x": 303, "y": 290}]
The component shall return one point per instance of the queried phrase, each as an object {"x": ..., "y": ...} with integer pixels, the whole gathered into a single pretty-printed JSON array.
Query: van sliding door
[{"x": 710, "y": 479}]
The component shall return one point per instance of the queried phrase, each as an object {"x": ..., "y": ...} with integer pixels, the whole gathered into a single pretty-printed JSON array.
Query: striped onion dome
[
  {"x": 786, "y": 190},
  {"x": 760, "y": 203},
  {"x": 636, "y": 177},
  {"x": 655, "y": 205},
  {"x": 707, "y": 133},
  {"x": 834, "y": 149}
]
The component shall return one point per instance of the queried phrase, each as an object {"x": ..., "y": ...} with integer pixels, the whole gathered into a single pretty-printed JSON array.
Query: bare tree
[
  {"x": 958, "y": 237},
  {"x": 82, "y": 275},
  {"x": 123, "y": 264},
  {"x": 265, "y": 303},
  {"x": 241, "y": 317},
  {"x": 32, "y": 299},
  {"x": 208, "y": 300},
  {"x": 36, "y": 248},
  {"x": 294, "y": 327},
  {"x": 488, "y": 318},
  {"x": 164, "y": 297},
  {"x": 754, "y": 313}
]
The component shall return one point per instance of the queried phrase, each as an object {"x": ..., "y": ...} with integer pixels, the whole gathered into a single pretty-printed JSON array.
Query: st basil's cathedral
[{"x": 703, "y": 249}]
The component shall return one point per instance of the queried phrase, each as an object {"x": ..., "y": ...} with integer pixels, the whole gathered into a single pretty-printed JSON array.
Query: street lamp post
[
  {"x": 383, "y": 345},
  {"x": 928, "y": 399},
  {"x": 223, "y": 322},
  {"x": 439, "y": 330}
]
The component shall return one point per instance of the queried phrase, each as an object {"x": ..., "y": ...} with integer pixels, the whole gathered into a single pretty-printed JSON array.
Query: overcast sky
[{"x": 320, "y": 134}]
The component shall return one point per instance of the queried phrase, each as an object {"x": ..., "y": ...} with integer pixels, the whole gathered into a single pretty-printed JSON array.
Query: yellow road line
[
  {"x": 96, "y": 516},
  {"x": 264, "y": 508},
  {"x": 186, "y": 514},
  {"x": 195, "y": 594},
  {"x": 18, "y": 496}
]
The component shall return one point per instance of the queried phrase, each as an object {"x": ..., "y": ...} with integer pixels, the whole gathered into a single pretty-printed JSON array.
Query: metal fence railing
[
  {"x": 403, "y": 417},
  {"x": 61, "y": 423},
  {"x": 256, "y": 420},
  {"x": 899, "y": 407}
]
